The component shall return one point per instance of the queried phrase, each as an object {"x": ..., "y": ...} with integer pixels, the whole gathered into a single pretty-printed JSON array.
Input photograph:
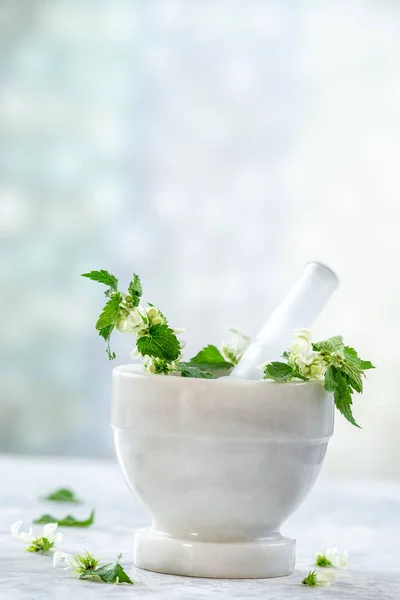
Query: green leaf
[
  {"x": 353, "y": 373},
  {"x": 187, "y": 370},
  {"x": 330, "y": 381},
  {"x": 68, "y": 521},
  {"x": 342, "y": 396},
  {"x": 210, "y": 358},
  {"x": 105, "y": 333},
  {"x": 159, "y": 342},
  {"x": 103, "y": 277},
  {"x": 113, "y": 573},
  {"x": 110, "y": 312},
  {"x": 366, "y": 364},
  {"x": 278, "y": 371},
  {"x": 62, "y": 495},
  {"x": 333, "y": 345},
  {"x": 135, "y": 289},
  {"x": 352, "y": 366}
]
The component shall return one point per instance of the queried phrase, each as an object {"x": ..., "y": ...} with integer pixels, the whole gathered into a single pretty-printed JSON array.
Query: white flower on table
[
  {"x": 70, "y": 562},
  {"x": 83, "y": 565},
  {"x": 331, "y": 557},
  {"x": 320, "y": 578},
  {"x": 38, "y": 543}
]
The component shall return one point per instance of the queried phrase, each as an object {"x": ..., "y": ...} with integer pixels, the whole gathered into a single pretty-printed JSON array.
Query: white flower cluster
[
  {"x": 302, "y": 356},
  {"x": 136, "y": 321},
  {"x": 330, "y": 560}
]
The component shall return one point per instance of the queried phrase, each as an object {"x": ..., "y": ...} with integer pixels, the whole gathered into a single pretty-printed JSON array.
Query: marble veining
[{"x": 363, "y": 517}]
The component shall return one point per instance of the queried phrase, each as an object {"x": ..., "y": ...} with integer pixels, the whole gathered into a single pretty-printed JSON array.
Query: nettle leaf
[
  {"x": 68, "y": 521},
  {"x": 333, "y": 345},
  {"x": 113, "y": 573},
  {"x": 210, "y": 358},
  {"x": 278, "y": 371},
  {"x": 330, "y": 381},
  {"x": 103, "y": 277},
  {"x": 110, "y": 312},
  {"x": 366, "y": 364},
  {"x": 105, "y": 333},
  {"x": 342, "y": 396},
  {"x": 188, "y": 370},
  {"x": 135, "y": 289},
  {"x": 159, "y": 342},
  {"x": 62, "y": 495}
]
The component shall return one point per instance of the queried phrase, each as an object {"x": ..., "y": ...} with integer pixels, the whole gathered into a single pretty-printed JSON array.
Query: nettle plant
[
  {"x": 157, "y": 344},
  {"x": 330, "y": 361}
]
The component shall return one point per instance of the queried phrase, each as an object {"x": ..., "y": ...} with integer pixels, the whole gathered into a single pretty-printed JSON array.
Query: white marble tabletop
[{"x": 362, "y": 517}]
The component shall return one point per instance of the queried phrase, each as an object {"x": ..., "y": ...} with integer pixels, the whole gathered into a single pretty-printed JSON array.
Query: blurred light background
[{"x": 212, "y": 146}]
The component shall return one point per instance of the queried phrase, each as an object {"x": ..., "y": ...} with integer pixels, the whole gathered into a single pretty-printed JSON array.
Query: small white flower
[
  {"x": 178, "y": 330},
  {"x": 133, "y": 322},
  {"x": 332, "y": 557},
  {"x": 25, "y": 536},
  {"x": 303, "y": 335},
  {"x": 320, "y": 578},
  {"x": 68, "y": 558},
  {"x": 304, "y": 358},
  {"x": 48, "y": 533},
  {"x": 325, "y": 578},
  {"x": 135, "y": 354},
  {"x": 234, "y": 350}
]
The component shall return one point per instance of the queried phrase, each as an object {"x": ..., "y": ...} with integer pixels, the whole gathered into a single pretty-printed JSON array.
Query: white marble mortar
[{"x": 219, "y": 465}]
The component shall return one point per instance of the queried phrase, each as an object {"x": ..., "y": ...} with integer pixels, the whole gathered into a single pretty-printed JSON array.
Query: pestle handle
[{"x": 300, "y": 308}]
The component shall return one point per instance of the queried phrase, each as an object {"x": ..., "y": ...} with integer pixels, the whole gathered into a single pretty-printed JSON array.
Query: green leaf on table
[
  {"x": 135, "y": 289},
  {"x": 159, "y": 342},
  {"x": 281, "y": 372},
  {"x": 62, "y": 495},
  {"x": 109, "y": 315},
  {"x": 210, "y": 358},
  {"x": 113, "y": 573},
  {"x": 68, "y": 521},
  {"x": 188, "y": 370},
  {"x": 103, "y": 276}
]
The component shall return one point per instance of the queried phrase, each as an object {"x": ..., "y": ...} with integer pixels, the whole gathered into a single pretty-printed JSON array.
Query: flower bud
[
  {"x": 156, "y": 320},
  {"x": 152, "y": 312}
]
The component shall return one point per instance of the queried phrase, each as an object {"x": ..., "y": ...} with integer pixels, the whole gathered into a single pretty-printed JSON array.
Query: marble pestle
[{"x": 299, "y": 309}]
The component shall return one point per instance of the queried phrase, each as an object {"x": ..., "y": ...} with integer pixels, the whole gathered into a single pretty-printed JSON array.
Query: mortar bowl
[{"x": 219, "y": 465}]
